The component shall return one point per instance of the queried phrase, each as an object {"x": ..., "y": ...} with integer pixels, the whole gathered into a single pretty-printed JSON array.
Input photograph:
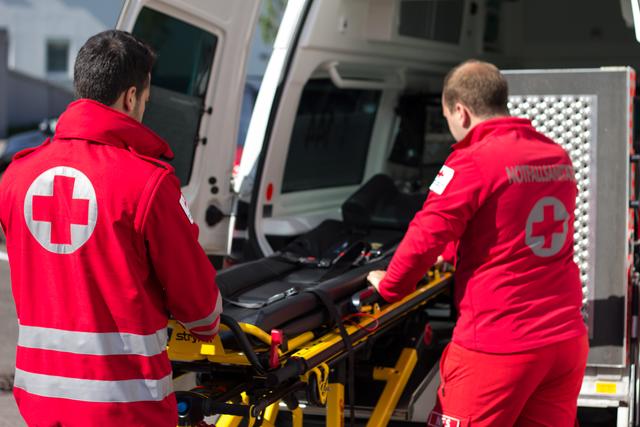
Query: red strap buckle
[
  {"x": 428, "y": 334},
  {"x": 277, "y": 339}
]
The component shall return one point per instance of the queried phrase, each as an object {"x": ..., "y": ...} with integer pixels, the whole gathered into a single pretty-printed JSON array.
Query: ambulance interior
[{"x": 361, "y": 95}]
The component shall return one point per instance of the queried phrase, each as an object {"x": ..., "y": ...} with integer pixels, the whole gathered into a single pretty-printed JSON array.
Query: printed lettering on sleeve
[
  {"x": 443, "y": 179},
  {"x": 185, "y": 208}
]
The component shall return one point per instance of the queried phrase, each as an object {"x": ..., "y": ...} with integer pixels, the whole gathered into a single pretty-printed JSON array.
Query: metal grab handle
[{"x": 393, "y": 81}]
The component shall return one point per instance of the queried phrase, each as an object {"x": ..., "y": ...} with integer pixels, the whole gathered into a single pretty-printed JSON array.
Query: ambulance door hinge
[
  {"x": 207, "y": 110},
  {"x": 634, "y": 158},
  {"x": 635, "y": 299},
  {"x": 634, "y": 204}
]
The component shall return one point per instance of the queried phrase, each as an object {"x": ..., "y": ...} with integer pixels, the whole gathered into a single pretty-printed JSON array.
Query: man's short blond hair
[{"x": 479, "y": 86}]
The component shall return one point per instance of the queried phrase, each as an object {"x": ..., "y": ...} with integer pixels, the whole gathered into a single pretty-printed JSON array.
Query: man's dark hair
[
  {"x": 479, "y": 86},
  {"x": 110, "y": 63}
]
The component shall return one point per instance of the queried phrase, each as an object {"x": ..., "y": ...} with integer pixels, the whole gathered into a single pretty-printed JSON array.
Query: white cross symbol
[{"x": 61, "y": 210}]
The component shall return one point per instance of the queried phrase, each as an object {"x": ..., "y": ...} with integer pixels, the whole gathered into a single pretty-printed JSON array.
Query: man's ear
[
  {"x": 130, "y": 99},
  {"x": 463, "y": 115}
]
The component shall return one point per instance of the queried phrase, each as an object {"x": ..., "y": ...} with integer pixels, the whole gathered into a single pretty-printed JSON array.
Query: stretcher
[{"x": 297, "y": 324}]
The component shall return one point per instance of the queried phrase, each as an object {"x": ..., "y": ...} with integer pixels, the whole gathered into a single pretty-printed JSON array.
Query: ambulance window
[
  {"x": 439, "y": 20},
  {"x": 330, "y": 138},
  {"x": 179, "y": 82}
]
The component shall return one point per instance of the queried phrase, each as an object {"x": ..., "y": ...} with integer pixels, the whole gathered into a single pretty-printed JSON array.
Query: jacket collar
[
  {"x": 482, "y": 129},
  {"x": 96, "y": 122}
]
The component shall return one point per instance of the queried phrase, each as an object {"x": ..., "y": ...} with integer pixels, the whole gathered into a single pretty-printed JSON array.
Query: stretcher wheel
[{"x": 190, "y": 409}]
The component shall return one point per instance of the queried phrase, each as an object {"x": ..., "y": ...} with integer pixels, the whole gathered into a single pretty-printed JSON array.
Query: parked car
[{"x": 27, "y": 139}]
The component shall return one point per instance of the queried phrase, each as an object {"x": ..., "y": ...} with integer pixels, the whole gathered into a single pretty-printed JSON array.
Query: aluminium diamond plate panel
[{"x": 570, "y": 120}]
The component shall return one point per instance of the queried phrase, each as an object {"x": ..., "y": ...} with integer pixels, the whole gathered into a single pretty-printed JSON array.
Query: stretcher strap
[
  {"x": 260, "y": 304},
  {"x": 337, "y": 320},
  {"x": 339, "y": 265},
  {"x": 346, "y": 259}
]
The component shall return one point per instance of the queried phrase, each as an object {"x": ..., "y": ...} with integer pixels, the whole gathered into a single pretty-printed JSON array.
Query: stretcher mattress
[{"x": 335, "y": 258}]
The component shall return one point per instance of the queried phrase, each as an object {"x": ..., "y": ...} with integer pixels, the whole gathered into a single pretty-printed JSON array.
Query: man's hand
[
  {"x": 375, "y": 277},
  {"x": 442, "y": 265}
]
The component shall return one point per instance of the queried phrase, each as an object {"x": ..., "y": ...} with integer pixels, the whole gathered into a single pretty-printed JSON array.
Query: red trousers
[{"x": 538, "y": 387}]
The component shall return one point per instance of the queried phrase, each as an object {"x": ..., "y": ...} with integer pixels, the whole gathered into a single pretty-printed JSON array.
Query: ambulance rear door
[{"x": 197, "y": 88}]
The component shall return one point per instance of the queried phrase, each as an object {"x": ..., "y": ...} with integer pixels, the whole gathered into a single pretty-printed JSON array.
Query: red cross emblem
[
  {"x": 442, "y": 180},
  {"x": 547, "y": 227},
  {"x": 60, "y": 209}
]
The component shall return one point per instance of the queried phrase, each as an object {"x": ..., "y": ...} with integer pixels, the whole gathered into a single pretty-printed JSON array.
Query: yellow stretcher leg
[
  {"x": 335, "y": 405},
  {"x": 396, "y": 379},
  {"x": 228, "y": 421},
  {"x": 233, "y": 420},
  {"x": 296, "y": 416},
  {"x": 270, "y": 414}
]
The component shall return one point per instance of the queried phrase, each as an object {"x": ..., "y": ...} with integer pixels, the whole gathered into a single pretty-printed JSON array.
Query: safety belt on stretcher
[
  {"x": 340, "y": 264},
  {"x": 337, "y": 321},
  {"x": 259, "y": 304}
]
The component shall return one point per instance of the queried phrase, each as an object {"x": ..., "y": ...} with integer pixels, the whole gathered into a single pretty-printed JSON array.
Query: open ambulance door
[{"x": 196, "y": 93}]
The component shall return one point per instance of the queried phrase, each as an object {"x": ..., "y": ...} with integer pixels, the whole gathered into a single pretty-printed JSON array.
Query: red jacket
[
  {"x": 507, "y": 194},
  {"x": 102, "y": 248}
]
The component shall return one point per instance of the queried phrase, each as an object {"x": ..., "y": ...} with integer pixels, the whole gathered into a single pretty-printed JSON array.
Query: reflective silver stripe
[
  {"x": 93, "y": 343},
  {"x": 207, "y": 320},
  {"x": 208, "y": 333},
  {"x": 139, "y": 390}
]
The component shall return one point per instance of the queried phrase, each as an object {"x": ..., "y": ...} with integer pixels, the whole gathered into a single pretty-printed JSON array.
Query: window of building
[
  {"x": 330, "y": 138},
  {"x": 57, "y": 56},
  {"x": 179, "y": 82}
]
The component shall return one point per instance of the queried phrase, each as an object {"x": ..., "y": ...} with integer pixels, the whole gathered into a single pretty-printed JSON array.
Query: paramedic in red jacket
[
  {"x": 102, "y": 248},
  {"x": 507, "y": 195}
]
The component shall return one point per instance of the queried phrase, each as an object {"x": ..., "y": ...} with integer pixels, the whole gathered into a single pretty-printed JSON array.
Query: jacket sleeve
[
  {"x": 441, "y": 221},
  {"x": 450, "y": 253},
  {"x": 182, "y": 267}
]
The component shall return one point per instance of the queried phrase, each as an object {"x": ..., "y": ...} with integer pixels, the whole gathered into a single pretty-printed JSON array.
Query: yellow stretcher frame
[{"x": 183, "y": 347}]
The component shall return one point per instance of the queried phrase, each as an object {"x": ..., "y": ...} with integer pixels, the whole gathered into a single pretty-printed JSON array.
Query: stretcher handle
[
  {"x": 243, "y": 341},
  {"x": 293, "y": 368},
  {"x": 365, "y": 297}
]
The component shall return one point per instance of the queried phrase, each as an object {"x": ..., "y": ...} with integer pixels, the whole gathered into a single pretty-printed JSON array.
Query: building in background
[{"x": 39, "y": 40}]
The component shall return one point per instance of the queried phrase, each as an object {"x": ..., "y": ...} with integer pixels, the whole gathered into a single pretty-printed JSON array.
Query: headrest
[{"x": 379, "y": 204}]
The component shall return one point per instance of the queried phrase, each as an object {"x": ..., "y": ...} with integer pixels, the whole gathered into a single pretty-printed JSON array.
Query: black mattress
[{"x": 335, "y": 257}]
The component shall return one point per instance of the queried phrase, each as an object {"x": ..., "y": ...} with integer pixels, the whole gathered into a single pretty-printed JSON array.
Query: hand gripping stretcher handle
[{"x": 365, "y": 297}]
